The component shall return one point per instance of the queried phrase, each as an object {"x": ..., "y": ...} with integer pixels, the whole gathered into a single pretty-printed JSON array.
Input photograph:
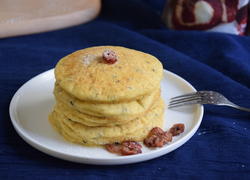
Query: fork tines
[{"x": 191, "y": 98}]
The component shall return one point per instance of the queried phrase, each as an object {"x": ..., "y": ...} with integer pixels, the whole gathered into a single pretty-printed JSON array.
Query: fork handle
[
  {"x": 243, "y": 109},
  {"x": 238, "y": 107}
]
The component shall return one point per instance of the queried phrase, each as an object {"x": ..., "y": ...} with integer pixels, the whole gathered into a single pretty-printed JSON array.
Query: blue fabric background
[{"x": 212, "y": 61}]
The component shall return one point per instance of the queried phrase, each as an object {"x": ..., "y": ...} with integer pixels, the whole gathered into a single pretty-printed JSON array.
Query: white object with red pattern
[{"x": 229, "y": 16}]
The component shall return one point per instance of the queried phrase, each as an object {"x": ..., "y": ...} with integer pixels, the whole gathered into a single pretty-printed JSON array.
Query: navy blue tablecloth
[{"x": 212, "y": 61}]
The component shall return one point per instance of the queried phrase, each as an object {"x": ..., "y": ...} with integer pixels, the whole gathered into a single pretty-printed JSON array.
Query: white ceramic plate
[{"x": 31, "y": 104}]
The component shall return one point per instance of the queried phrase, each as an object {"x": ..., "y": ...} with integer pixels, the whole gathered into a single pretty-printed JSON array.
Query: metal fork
[{"x": 203, "y": 97}]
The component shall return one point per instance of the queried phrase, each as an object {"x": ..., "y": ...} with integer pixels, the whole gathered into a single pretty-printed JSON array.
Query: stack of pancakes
[{"x": 99, "y": 103}]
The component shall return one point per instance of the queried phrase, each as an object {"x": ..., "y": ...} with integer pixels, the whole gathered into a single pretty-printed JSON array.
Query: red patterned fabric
[{"x": 213, "y": 15}]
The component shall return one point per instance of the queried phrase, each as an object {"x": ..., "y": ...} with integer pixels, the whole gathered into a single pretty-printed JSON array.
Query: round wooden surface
[{"x": 21, "y": 17}]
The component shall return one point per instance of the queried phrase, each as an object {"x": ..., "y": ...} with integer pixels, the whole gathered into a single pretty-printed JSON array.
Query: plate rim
[{"x": 97, "y": 161}]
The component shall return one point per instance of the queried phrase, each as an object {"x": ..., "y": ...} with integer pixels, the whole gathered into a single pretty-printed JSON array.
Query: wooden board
[{"x": 21, "y": 17}]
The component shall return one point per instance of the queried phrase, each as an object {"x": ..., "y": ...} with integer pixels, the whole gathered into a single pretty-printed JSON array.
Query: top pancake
[{"x": 85, "y": 75}]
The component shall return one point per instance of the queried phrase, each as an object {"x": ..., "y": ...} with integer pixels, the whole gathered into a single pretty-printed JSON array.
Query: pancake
[
  {"x": 135, "y": 130},
  {"x": 90, "y": 120},
  {"x": 112, "y": 110},
  {"x": 60, "y": 106},
  {"x": 86, "y": 119},
  {"x": 85, "y": 75}
]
